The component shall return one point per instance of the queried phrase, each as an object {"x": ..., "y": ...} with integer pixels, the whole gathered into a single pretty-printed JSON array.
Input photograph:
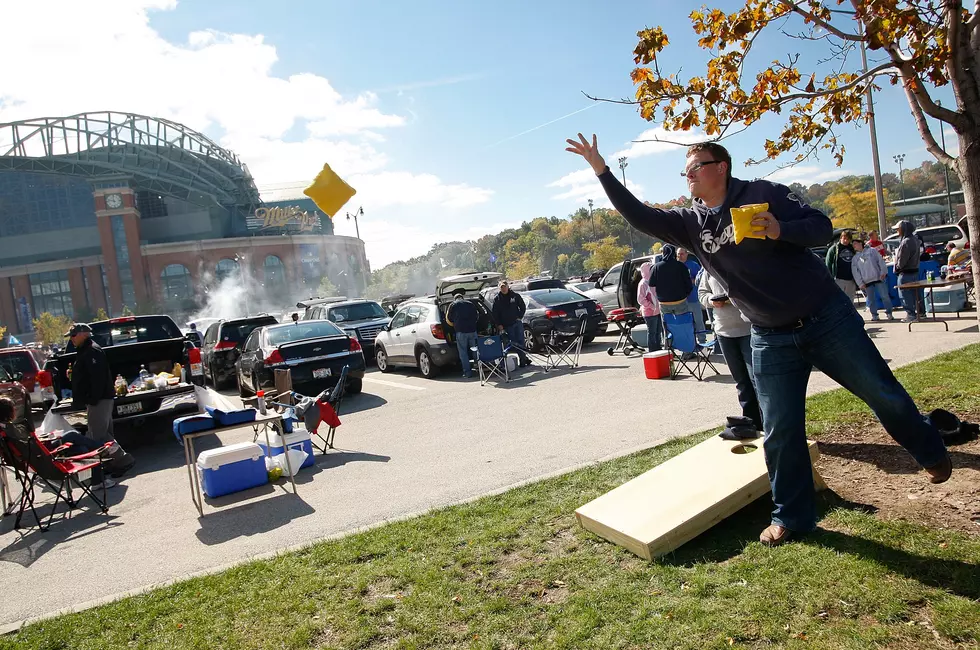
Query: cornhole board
[{"x": 678, "y": 500}]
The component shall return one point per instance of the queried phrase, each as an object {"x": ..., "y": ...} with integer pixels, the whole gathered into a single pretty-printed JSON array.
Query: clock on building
[{"x": 113, "y": 201}]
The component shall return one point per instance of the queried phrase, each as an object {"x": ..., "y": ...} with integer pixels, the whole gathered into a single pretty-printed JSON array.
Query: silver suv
[{"x": 419, "y": 335}]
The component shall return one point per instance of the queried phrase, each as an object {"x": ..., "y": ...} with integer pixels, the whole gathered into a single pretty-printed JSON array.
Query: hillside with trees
[{"x": 578, "y": 244}]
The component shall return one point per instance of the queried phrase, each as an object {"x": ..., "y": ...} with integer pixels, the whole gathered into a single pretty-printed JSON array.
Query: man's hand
[
  {"x": 766, "y": 224},
  {"x": 717, "y": 304},
  {"x": 864, "y": 287},
  {"x": 500, "y": 329},
  {"x": 589, "y": 152},
  {"x": 881, "y": 279}
]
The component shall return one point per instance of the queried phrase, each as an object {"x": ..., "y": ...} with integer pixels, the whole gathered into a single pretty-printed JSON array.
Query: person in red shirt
[{"x": 875, "y": 243}]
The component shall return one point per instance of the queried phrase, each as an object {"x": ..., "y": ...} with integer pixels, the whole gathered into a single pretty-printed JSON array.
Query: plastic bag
[
  {"x": 212, "y": 398},
  {"x": 296, "y": 459},
  {"x": 54, "y": 422}
]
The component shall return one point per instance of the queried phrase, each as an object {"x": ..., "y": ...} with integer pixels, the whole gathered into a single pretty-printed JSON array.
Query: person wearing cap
[
  {"x": 508, "y": 312},
  {"x": 92, "y": 388},
  {"x": 463, "y": 317}
]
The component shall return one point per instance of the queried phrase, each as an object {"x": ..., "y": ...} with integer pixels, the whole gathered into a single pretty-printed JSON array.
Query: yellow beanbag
[
  {"x": 742, "y": 220},
  {"x": 329, "y": 191}
]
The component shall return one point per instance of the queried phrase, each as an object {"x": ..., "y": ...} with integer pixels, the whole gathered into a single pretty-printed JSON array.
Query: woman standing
[
  {"x": 646, "y": 296},
  {"x": 734, "y": 334}
]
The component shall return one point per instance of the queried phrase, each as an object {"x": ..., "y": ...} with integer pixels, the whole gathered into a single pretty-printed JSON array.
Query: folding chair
[
  {"x": 682, "y": 340},
  {"x": 558, "y": 347},
  {"x": 625, "y": 319},
  {"x": 59, "y": 473},
  {"x": 491, "y": 359},
  {"x": 333, "y": 400}
]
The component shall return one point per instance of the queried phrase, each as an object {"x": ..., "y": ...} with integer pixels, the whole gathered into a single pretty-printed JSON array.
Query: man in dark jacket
[
  {"x": 672, "y": 280},
  {"x": 463, "y": 317},
  {"x": 907, "y": 257},
  {"x": 800, "y": 317},
  {"x": 508, "y": 312},
  {"x": 92, "y": 388}
]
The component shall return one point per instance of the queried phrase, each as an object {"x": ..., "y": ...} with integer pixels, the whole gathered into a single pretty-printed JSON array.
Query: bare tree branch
[
  {"x": 923, "y": 125},
  {"x": 795, "y": 8},
  {"x": 721, "y": 136}
]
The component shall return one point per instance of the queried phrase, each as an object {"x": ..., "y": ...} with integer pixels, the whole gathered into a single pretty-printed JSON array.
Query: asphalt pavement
[{"x": 407, "y": 445}]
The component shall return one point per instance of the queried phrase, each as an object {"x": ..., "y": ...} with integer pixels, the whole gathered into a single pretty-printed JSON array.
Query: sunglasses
[{"x": 694, "y": 169}]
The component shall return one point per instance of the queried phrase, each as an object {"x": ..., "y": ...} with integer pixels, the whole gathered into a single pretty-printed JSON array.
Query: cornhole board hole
[{"x": 678, "y": 500}]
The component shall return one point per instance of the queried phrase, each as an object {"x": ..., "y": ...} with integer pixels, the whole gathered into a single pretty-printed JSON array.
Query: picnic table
[{"x": 935, "y": 284}]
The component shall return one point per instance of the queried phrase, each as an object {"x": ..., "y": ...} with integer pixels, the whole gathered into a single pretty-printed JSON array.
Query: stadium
[{"x": 114, "y": 210}]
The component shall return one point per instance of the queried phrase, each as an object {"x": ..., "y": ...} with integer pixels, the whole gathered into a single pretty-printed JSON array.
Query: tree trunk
[{"x": 969, "y": 172}]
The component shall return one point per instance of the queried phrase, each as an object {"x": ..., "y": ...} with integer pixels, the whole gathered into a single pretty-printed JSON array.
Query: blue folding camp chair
[
  {"x": 491, "y": 359},
  {"x": 682, "y": 341}
]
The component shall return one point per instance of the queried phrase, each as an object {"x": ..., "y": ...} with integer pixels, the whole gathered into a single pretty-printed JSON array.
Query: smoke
[{"x": 241, "y": 294}]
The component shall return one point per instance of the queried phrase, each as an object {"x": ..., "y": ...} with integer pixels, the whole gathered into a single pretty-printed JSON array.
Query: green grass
[{"x": 515, "y": 571}]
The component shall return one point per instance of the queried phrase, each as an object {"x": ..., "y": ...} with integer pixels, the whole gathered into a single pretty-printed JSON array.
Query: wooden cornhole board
[{"x": 678, "y": 500}]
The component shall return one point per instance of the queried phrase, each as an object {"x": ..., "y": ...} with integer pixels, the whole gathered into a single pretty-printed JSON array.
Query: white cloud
[
  {"x": 583, "y": 185},
  {"x": 218, "y": 83},
  {"x": 659, "y": 140},
  {"x": 806, "y": 175}
]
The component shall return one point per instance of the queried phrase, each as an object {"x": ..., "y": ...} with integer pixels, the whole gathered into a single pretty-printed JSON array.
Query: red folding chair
[{"x": 33, "y": 461}]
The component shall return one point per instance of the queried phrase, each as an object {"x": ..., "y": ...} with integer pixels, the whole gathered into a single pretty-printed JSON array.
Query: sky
[{"x": 448, "y": 118}]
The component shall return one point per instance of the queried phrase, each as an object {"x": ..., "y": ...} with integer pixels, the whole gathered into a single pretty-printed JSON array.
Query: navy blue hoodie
[
  {"x": 671, "y": 277},
  {"x": 773, "y": 282}
]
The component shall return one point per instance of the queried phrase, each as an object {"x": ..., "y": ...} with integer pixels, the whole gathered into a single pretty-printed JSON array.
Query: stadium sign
[{"x": 283, "y": 218}]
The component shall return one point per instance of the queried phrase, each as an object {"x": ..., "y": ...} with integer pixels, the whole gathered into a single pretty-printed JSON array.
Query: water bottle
[
  {"x": 146, "y": 379},
  {"x": 929, "y": 276},
  {"x": 260, "y": 401}
]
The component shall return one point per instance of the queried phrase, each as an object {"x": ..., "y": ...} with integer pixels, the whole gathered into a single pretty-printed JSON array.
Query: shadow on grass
[{"x": 891, "y": 458}]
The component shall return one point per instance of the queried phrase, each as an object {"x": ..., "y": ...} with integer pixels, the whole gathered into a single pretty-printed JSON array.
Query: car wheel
[
  {"x": 426, "y": 367},
  {"x": 241, "y": 387},
  {"x": 354, "y": 385},
  {"x": 381, "y": 359},
  {"x": 530, "y": 344}
]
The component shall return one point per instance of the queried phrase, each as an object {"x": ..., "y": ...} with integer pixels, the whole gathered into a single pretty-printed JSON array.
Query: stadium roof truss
[{"x": 156, "y": 154}]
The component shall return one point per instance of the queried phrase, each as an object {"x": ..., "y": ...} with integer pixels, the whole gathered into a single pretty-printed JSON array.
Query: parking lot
[{"x": 407, "y": 444}]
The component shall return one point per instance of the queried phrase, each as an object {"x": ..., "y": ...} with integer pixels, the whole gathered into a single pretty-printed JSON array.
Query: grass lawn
[{"x": 516, "y": 571}]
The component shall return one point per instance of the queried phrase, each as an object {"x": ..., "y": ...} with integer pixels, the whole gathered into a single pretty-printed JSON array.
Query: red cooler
[{"x": 657, "y": 364}]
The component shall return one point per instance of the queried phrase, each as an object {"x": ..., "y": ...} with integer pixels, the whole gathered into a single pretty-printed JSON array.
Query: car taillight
[
  {"x": 598, "y": 306},
  {"x": 438, "y": 332},
  {"x": 274, "y": 359},
  {"x": 355, "y": 345},
  {"x": 44, "y": 379},
  {"x": 125, "y": 319},
  {"x": 555, "y": 313},
  {"x": 224, "y": 345}
]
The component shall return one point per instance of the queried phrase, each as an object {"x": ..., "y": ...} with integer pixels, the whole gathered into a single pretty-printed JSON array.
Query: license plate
[
  {"x": 197, "y": 369},
  {"x": 129, "y": 409},
  {"x": 321, "y": 373},
  {"x": 581, "y": 312}
]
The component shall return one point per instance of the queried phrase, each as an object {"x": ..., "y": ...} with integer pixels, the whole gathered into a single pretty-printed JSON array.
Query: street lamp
[
  {"x": 357, "y": 229},
  {"x": 592, "y": 219},
  {"x": 622, "y": 167},
  {"x": 901, "y": 178}
]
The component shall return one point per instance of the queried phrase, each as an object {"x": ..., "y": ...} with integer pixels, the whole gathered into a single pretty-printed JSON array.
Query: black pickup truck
[{"x": 131, "y": 342}]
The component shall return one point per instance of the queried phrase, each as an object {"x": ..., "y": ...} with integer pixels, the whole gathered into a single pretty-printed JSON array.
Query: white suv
[{"x": 419, "y": 335}]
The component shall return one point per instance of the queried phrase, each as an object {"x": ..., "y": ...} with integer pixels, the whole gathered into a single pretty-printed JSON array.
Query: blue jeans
[
  {"x": 832, "y": 339},
  {"x": 876, "y": 294},
  {"x": 698, "y": 319},
  {"x": 909, "y": 295},
  {"x": 738, "y": 357},
  {"x": 465, "y": 341},
  {"x": 515, "y": 332},
  {"x": 654, "y": 332}
]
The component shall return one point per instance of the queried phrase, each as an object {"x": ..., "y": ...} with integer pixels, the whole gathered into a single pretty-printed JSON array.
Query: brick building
[{"x": 106, "y": 210}]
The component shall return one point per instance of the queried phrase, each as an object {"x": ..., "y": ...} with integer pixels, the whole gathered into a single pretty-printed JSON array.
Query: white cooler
[
  {"x": 298, "y": 439},
  {"x": 947, "y": 299},
  {"x": 232, "y": 469},
  {"x": 512, "y": 362}
]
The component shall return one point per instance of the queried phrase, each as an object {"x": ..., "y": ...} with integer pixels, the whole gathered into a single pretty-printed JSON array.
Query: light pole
[
  {"x": 240, "y": 258},
  {"x": 942, "y": 135},
  {"x": 357, "y": 229},
  {"x": 592, "y": 219},
  {"x": 879, "y": 191},
  {"x": 622, "y": 167},
  {"x": 901, "y": 177}
]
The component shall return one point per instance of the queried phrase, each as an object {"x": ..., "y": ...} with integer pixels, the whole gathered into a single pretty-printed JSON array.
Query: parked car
[
  {"x": 312, "y": 306},
  {"x": 25, "y": 366},
  {"x": 537, "y": 283},
  {"x": 22, "y": 401},
  {"x": 315, "y": 352},
  {"x": 936, "y": 236},
  {"x": 581, "y": 287},
  {"x": 363, "y": 319},
  {"x": 223, "y": 344},
  {"x": 606, "y": 289},
  {"x": 564, "y": 308},
  {"x": 419, "y": 335}
]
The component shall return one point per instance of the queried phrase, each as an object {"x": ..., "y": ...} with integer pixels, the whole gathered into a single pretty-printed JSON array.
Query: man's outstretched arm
[{"x": 663, "y": 224}]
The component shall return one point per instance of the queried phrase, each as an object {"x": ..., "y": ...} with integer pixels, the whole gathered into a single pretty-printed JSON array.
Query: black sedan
[
  {"x": 315, "y": 352},
  {"x": 565, "y": 309}
]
